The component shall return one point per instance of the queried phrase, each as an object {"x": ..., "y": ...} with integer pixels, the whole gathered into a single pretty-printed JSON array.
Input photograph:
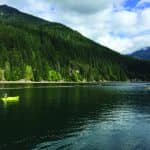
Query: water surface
[{"x": 110, "y": 116}]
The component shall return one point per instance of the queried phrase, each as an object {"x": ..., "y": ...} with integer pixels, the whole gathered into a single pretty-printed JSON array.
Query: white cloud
[
  {"x": 83, "y": 6},
  {"x": 141, "y": 41},
  {"x": 40, "y": 6},
  {"x": 125, "y": 45},
  {"x": 124, "y": 19},
  {"x": 122, "y": 45},
  {"x": 145, "y": 19}
]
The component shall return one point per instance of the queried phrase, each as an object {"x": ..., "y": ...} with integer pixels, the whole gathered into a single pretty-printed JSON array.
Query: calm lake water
[{"x": 111, "y": 116}]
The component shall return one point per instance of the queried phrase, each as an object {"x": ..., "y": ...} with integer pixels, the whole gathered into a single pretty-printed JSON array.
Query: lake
[{"x": 108, "y": 116}]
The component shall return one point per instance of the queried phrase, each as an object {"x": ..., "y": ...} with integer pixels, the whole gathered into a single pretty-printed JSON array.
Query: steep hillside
[{"x": 34, "y": 49}]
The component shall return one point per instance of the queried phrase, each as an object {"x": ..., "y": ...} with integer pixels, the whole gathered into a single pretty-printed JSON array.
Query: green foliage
[
  {"x": 28, "y": 75},
  {"x": 75, "y": 75},
  {"x": 30, "y": 47},
  {"x": 7, "y": 71},
  {"x": 1, "y": 74},
  {"x": 54, "y": 76}
]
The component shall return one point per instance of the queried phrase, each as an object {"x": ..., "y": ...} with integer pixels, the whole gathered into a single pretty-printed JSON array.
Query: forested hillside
[{"x": 34, "y": 49}]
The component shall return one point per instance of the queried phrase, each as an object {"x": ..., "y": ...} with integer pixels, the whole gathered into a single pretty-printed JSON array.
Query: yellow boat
[{"x": 10, "y": 99}]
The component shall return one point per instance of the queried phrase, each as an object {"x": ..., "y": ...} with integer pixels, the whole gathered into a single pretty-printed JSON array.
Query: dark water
[{"x": 112, "y": 116}]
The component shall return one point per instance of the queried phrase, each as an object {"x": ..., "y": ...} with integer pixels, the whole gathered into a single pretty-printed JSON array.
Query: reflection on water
[
  {"x": 111, "y": 116},
  {"x": 6, "y": 104}
]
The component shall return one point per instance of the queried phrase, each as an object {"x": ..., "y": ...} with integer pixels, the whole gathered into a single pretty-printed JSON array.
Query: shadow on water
[{"x": 108, "y": 116}]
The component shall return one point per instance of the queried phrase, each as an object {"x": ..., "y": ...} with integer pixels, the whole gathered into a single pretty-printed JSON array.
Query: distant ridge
[{"x": 142, "y": 54}]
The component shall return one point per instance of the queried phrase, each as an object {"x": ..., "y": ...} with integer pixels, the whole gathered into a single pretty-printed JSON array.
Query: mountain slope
[
  {"x": 34, "y": 49},
  {"x": 142, "y": 54}
]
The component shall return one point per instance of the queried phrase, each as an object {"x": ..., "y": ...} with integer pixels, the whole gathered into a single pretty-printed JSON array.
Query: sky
[{"x": 122, "y": 25}]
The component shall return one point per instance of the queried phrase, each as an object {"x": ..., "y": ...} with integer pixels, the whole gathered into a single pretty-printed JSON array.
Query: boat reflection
[{"x": 9, "y": 100}]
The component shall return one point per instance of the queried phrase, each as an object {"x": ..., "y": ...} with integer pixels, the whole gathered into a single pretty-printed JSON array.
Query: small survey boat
[{"x": 10, "y": 99}]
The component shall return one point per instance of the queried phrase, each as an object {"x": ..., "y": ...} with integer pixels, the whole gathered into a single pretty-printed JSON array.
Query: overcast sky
[{"x": 122, "y": 25}]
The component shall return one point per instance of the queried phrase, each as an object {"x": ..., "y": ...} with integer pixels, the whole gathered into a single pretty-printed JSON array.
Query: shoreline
[
  {"x": 67, "y": 82},
  {"x": 49, "y": 82}
]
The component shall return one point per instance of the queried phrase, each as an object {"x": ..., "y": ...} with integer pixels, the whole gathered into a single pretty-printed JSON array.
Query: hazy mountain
[
  {"x": 142, "y": 54},
  {"x": 34, "y": 49}
]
